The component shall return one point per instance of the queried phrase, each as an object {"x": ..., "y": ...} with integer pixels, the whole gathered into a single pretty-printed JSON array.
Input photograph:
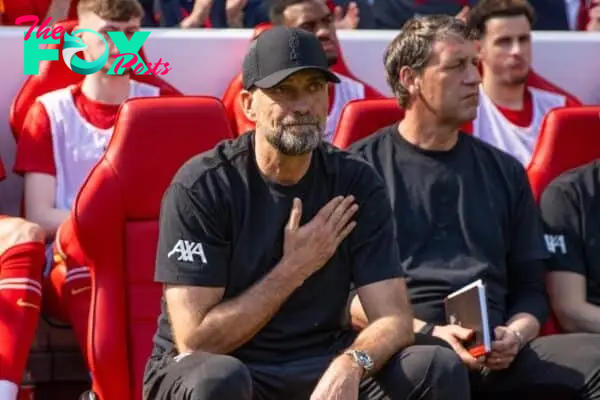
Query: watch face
[{"x": 363, "y": 360}]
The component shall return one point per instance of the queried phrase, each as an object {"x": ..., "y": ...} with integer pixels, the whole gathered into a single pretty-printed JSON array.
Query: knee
[
  {"x": 440, "y": 365},
  {"x": 15, "y": 231},
  {"x": 219, "y": 377}
]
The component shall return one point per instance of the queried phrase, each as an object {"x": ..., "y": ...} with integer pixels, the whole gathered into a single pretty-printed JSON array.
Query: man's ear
[
  {"x": 409, "y": 80},
  {"x": 247, "y": 104}
]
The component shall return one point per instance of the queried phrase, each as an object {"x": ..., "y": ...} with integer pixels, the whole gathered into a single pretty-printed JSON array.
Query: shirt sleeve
[
  {"x": 192, "y": 247},
  {"x": 526, "y": 255},
  {"x": 34, "y": 148},
  {"x": 526, "y": 232},
  {"x": 374, "y": 251},
  {"x": 562, "y": 225}
]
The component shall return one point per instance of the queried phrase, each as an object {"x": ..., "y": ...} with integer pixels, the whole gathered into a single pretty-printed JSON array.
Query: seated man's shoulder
[
  {"x": 371, "y": 145},
  {"x": 583, "y": 180},
  {"x": 491, "y": 153},
  {"x": 64, "y": 92},
  {"x": 348, "y": 164},
  {"x": 214, "y": 165}
]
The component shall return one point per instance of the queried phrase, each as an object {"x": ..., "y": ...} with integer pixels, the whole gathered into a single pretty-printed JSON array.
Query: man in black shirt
[
  {"x": 571, "y": 212},
  {"x": 464, "y": 211},
  {"x": 260, "y": 240}
]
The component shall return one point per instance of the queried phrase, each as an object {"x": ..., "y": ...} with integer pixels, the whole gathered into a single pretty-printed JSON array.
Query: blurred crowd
[{"x": 552, "y": 15}]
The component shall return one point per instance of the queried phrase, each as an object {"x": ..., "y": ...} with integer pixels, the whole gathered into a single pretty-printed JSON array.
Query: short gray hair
[{"x": 412, "y": 47}]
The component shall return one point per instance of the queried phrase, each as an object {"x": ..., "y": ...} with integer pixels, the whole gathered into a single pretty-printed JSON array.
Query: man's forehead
[
  {"x": 306, "y": 10},
  {"x": 507, "y": 25},
  {"x": 452, "y": 46},
  {"x": 91, "y": 18}
]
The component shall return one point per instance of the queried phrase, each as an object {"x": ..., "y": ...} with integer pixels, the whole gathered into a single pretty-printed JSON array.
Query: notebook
[{"x": 467, "y": 307}]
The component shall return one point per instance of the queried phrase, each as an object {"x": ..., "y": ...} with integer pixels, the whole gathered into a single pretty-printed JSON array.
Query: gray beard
[{"x": 296, "y": 140}]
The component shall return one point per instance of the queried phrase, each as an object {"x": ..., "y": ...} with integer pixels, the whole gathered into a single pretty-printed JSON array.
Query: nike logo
[
  {"x": 23, "y": 303},
  {"x": 80, "y": 290}
]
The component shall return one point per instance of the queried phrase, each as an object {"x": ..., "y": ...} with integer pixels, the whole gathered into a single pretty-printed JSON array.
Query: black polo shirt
[
  {"x": 222, "y": 225},
  {"x": 571, "y": 212},
  {"x": 462, "y": 215}
]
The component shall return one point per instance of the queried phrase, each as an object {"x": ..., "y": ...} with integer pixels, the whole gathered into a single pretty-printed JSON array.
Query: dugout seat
[
  {"x": 361, "y": 118},
  {"x": 113, "y": 228},
  {"x": 569, "y": 138},
  {"x": 56, "y": 75}
]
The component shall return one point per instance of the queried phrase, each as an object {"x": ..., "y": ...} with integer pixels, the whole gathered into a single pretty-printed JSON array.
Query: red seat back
[
  {"x": 361, "y": 118},
  {"x": 115, "y": 221},
  {"x": 56, "y": 75},
  {"x": 569, "y": 137}
]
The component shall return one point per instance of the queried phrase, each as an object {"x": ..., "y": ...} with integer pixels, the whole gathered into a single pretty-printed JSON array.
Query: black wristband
[{"x": 427, "y": 329}]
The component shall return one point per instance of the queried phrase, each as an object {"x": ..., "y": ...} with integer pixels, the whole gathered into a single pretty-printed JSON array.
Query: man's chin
[
  {"x": 106, "y": 68},
  {"x": 332, "y": 60}
]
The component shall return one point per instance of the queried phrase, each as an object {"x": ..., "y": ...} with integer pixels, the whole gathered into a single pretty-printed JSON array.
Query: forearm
[
  {"x": 201, "y": 11},
  {"x": 581, "y": 318},
  {"x": 58, "y": 10},
  {"x": 49, "y": 219},
  {"x": 384, "y": 337},
  {"x": 234, "y": 322}
]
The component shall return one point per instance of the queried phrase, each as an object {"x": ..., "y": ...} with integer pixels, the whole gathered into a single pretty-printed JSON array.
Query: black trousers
[
  {"x": 423, "y": 371},
  {"x": 551, "y": 367}
]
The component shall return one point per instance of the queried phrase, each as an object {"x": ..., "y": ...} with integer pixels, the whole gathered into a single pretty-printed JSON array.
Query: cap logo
[{"x": 293, "y": 43}]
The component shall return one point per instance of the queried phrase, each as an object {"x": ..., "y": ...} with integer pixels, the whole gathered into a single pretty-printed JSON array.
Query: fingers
[
  {"x": 462, "y": 334},
  {"x": 496, "y": 362},
  {"x": 342, "y": 215},
  {"x": 463, "y": 14},
  {"x": 464, "y": 354},
  {"x": 295, "y": 215},
  {"x": 328, "y": 209}
]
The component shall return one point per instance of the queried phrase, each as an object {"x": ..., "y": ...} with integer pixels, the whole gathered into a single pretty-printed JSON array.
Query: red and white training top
[
  {"x": 66, "y": 133},
  {"x": 515, "y": 131}
]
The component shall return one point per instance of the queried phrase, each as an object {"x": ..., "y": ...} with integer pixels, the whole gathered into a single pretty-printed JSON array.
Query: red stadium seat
[
  {"x": 56, "y": 75},
  {"x": 360, "y": 118},
  {"x": 115, "y": 225},
  {"x": 569, "y": 138}
]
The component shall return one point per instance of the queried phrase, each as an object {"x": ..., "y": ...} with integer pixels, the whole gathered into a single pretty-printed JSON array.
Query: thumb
[
  {"x": 463, "y": 14},
  {"x": 338, "y": 13},
  {"x": 295, "y": 215},
  {"x": 462, "y": 334},
  {"x": 499, "y": 333}
]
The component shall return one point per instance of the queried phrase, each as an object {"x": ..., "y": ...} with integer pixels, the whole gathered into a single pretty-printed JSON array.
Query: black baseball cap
[{"x": 280, "y": 52}]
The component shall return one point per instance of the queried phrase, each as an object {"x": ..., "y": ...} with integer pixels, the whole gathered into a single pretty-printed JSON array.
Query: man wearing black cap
[{"x": 260, "y": 240}]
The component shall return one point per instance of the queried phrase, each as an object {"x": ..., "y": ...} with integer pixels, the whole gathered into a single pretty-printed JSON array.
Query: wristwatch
[
  {"x": 362, "y": 359},
  {"x": 427, "y": 329}
]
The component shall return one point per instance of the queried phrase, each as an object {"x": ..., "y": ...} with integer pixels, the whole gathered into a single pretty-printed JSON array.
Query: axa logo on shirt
[
  {"x": 128, "y": 49},
  {"x": 556, "y": 242},
  {"x": 187, "y": 251}
]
